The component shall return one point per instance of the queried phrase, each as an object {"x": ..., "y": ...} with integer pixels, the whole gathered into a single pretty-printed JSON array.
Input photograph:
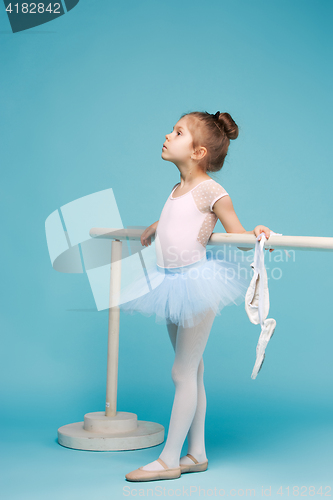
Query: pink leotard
[{"x": 186, "y": 224}]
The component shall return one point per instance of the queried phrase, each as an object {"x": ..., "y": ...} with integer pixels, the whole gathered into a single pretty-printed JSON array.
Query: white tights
[{"x": 189, "y": 406}]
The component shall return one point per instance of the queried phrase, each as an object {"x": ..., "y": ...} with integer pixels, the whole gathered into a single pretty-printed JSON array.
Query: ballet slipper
[
  {"x": 265, "y": 336},
  {"x": 154, "y": 475},
  {"x": 257, "y": 303},
  {"x": 196, "y": 467}
]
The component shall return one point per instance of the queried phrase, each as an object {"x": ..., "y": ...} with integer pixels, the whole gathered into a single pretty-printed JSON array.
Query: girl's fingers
[{"x": 145, "y": 242}]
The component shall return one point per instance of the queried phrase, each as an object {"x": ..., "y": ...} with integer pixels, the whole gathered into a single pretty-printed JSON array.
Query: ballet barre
[
  {"x": 281, "y": 242},
  {"x": 234, "y": 239},
  {"x": 114, "y": 430}
]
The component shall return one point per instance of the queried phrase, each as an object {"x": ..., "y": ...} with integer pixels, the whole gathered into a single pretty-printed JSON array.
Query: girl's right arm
[
  {"x": 224, "y": 210},
  {"x": 147, "y": 233}
]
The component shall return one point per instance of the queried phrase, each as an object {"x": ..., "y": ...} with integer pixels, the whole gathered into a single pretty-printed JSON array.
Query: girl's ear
[{"x": 199, "y": 153}]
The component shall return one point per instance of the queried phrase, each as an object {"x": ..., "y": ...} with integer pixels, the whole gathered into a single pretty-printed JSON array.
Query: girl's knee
[
  {"x": 177, "y": 374},
  {"x": 181, "y": 374}
]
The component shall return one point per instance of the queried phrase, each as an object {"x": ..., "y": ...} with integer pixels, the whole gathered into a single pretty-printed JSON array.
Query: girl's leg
[
  {"x": 172, "y": 331},
  {"x": 196, "y": 433},
  {"x": 190, "y": 345}
]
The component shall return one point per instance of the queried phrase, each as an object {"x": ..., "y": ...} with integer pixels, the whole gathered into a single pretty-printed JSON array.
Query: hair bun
[{"x": 230, "y": 127}]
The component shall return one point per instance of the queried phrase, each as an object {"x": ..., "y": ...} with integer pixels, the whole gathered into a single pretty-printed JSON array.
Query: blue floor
[{"x": 264, "y": 452}]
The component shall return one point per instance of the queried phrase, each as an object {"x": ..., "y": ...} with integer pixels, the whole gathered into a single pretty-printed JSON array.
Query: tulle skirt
[{"x": 185, "y": 294}]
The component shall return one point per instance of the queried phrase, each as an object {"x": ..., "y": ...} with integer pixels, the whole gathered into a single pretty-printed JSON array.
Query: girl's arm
[
  {"x": 147, "y": 233},
  {"x": 224, "y": 210}
]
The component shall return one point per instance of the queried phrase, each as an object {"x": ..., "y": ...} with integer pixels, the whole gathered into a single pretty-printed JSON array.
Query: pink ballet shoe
[
  {"x": 154, "y": 475},
  {"x": 196, "y": 467}
]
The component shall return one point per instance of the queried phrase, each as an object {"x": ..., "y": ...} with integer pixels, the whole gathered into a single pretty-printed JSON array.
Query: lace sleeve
[
  {"x": 206, "y": 194},
  {"x": 217, "y": 192}
]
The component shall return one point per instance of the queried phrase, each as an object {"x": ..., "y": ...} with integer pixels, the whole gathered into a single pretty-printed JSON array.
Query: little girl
[{"x": 195, "y": 283}]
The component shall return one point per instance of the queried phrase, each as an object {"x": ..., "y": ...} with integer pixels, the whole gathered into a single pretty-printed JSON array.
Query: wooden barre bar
[{"x": 235, "y": 239}]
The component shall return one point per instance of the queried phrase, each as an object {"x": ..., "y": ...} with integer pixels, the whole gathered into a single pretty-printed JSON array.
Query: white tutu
[{"x": 185, "y": 294}]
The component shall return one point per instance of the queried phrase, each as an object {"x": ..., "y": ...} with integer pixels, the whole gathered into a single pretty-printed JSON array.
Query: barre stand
[{"x": 112, "y": 430}]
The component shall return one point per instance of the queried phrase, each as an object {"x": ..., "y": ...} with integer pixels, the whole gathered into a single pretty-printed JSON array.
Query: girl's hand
[
  {"x": 147, "y": 233},
  {"x": 263, "y": 229}
]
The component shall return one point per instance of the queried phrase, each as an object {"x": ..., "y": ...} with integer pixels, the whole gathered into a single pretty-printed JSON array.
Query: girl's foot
[
  {"x": 153, "y": 466},
  {"x": 188, "y": 461},
  {"x": 141, "y": 474},
  {"x": 192, "y": 464}
]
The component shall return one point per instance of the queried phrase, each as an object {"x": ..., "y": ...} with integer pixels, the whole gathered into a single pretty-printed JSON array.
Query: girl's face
[{"x": 178, "y": 145}]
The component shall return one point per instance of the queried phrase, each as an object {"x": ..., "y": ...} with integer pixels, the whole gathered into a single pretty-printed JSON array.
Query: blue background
[{"x": 85, "y": 103}]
